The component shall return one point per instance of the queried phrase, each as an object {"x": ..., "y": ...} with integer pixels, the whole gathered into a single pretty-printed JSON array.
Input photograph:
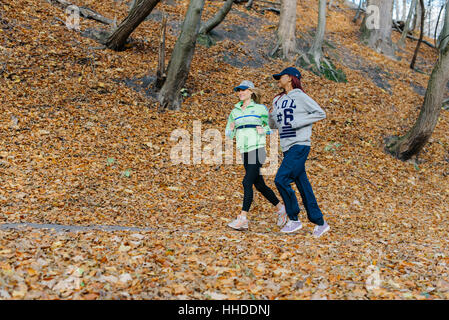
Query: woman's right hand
[{"x": 232, "y": 126}]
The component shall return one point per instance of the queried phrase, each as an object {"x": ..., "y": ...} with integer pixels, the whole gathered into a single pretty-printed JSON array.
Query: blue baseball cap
[
  {"x": 245, "y": 84},
  {"x": 290, "y": 71}
]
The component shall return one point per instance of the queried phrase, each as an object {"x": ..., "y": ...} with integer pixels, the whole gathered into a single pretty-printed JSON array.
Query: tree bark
[
  {"x": 443, "y": 38},
  {"x": 421, "y": 35},
  {"x": 404, "y": 10},
  {"x": 414, "y": 141},
  {"x": 429, "y": 14},
  {"x": 396, "y": 3},
  {"x": 286, "y": 35},
  {"x": 376, "y": 30},
  {"x": 140, "y": 10},
  {"x": 160, "y": 74},
  {"x": 401, "y": 41},
  {"x": 418, "y": 15},
  {"x": 209, "y": 25},
  {"x": 179, "y": 66},
  {"x": 316, "y": 50}
]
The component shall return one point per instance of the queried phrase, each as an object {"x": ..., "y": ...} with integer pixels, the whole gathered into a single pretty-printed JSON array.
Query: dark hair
[{"x": 296, "y": 84}]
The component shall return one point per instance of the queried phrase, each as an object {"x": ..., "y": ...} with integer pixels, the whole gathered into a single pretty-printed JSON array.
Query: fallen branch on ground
[
  {"x": 277, "y": 11},
  {"x": 395, "y": 28},
  {"x": 84, "y": 12},
  {"x": 270, "y": 2}
]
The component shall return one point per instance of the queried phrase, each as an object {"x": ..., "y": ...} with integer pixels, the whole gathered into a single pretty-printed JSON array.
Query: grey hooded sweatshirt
[{"x": 293, "y": 115}]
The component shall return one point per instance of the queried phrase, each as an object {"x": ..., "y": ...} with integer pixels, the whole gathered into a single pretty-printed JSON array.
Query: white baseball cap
[{"x": 245, "y": 84}]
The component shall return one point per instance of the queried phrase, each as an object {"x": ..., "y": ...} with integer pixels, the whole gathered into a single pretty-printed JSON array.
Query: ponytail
[
  {"x": 256, "y": 95},
  {"x": 296, "y": 84}
]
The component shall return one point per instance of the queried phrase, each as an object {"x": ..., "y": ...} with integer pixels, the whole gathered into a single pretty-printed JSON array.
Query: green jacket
[{"x": 247, "y": 137}]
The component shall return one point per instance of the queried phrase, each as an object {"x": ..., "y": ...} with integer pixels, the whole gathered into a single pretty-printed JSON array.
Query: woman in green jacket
[{"x": 248, "y": 123}]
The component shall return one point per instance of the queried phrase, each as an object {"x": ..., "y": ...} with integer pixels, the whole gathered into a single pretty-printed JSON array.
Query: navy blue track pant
[{"x": 293, "y": 169}]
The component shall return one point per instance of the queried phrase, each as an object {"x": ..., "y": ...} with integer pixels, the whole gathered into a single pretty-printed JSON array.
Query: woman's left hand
[{"x": 260, "y": 130}]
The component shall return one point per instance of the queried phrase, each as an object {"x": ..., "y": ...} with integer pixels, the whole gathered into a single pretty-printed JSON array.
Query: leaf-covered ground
[{"x": 80, "y": 145}]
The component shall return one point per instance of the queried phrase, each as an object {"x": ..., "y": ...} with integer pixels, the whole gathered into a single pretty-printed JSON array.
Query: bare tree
[
  {"x": 314, "y": 59},
  {"x": 139, "y": 11},
  {"x": 179, "y": 66},
  {"x": 417, "y": 17},
  {"x": 429, "y": 14},
  {"x": 396, "y": 5},
  {"x": 286, "y": 37},
  {"x": 404, "y": 10},
  {"x": 443, "y": 39},
  {"x": 315, "y": 52},
  {"x": 160, "y": 73},
  {"x": 406, "y": 30},
  {"x": 359, "y": 11},
  {"x": 414, "y": 140},
  {"x": 421, "y": 35},
  {"x": 209, "y": 25},
  {"x": 377, "y": 27}
]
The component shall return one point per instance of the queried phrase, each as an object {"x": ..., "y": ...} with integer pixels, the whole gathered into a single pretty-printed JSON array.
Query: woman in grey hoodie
[{"x": 293, "y": 113}]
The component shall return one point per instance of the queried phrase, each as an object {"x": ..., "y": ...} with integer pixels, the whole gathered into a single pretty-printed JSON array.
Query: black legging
[{"x": 253, "y": 161}]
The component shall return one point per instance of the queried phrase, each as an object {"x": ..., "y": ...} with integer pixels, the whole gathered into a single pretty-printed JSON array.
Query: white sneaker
[
  {"x": 282, "y": 217},
  {"x": 292, "y": 226},
  {"x": 241, "y": 223},
  {"x": 318, "y": 231}
]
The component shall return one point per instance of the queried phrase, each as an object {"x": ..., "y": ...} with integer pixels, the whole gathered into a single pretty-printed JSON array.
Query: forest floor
[{"x": 83, "y": 144}]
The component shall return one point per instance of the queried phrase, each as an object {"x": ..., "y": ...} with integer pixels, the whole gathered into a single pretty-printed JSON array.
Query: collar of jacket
[{"x": 239, "y": 105}]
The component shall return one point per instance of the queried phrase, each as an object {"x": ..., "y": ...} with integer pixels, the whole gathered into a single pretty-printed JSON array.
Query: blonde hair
[{"x": 256, "y": 95}]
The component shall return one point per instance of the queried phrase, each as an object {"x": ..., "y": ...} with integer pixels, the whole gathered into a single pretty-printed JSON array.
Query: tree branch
[
  {"x": 209, "y": 25},
  {"x": 84, "y": 12},
  {"x": 396, "y": 28},
  {"x": 270, "y": 2},
  {"x": 277, "y": 11}
]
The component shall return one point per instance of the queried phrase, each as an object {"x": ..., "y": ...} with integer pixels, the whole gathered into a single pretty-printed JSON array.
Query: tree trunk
[
  {"x": 401, "y": 41},
  {"x": 418, "y": 16},
  {"x": 443, "y": 39},
  {"x": 316, "y": 50},
  {"x": 413, "y": 142},
  {"x": 217, "y": 19},
  {"x": 404, "y": 10},
  {"x": 396, "y": 3},
  {"x": 286, "y": 41},
  {"x": 140, "y": 10},
  {"x": 160, "y": 74},
  {"x": 421, "y": 35},
  {"x": 358, "y": 12},
  {"x": 429, "y": 14},
  {"x": 179, "y": 66},
  {"x": 377, "y": 26}
]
